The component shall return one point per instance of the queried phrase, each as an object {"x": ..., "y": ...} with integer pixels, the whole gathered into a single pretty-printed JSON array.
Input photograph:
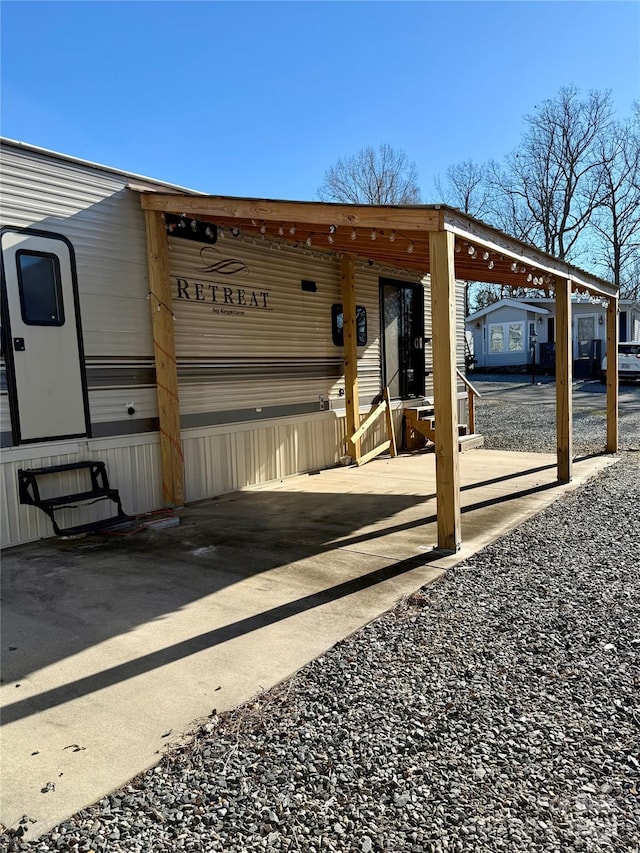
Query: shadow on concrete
[{"x": 82, "y": 592}]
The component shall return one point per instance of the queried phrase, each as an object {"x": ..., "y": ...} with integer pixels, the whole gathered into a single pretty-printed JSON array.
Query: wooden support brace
[
  {"x": 612, "y": 376},
  {"x": 391, "y": 430},
  {"x": 371, "y": 418},
  {"x": 165, "y": 359},
  {"x": 564, "y": 380},
  {"x": 367, "y": 457},
  {"x": 445, "y": 386}
]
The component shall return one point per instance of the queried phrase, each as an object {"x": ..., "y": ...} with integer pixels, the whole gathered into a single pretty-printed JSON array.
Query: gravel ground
[{"x": 496, "y": 710}]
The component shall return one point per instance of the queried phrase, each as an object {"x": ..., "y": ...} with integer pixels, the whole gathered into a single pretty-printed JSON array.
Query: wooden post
[
  {"x": 612, "y": 375},
  {"x": 564, "y": 380},
  {"x": 471, "y": 405},
  {"x": 165, "y": 359},
  {"x": 350, "y": 346},
  {"x": 445, "y": 396},
  {"x": 391, "y": 430}
]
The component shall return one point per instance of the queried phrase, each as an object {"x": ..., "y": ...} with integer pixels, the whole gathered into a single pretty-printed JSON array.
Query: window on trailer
[{"x": 40, "y": 289}]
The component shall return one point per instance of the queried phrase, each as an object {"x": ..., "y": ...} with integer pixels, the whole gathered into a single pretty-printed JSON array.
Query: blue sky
[{"x": 260, "y": 98}]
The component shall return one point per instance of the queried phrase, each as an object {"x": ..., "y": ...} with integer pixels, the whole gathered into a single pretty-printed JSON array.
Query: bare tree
[
  {"x": 467, "y": 187},
  {"x": 552, "y": 180},
  {"x": 382, "y": 176},
  {"x": 616, "y": 222}
]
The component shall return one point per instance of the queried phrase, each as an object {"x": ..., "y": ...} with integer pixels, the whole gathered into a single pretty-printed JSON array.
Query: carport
[{"x": 435, "y": 240}]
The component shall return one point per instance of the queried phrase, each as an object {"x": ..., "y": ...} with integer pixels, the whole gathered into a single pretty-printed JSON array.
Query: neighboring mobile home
[{"x": 510, "y": 332}]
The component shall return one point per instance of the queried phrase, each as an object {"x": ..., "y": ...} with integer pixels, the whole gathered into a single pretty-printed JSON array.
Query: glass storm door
[{"x": 403, "y": 338}]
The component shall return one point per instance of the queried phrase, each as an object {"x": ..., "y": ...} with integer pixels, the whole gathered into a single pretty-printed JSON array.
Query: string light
[
  {"x": 281, "y": 231},
  {"x": 292, "y": 230},
  {"x": 485, "y": 256},
  {"x": 410, "y": 249},
  {"x": 458, "y": 247},
  {"x": 235, "y": 231},
  {"x": 392, "y": 237},
  {"x": 373, "y": 234},
  {"x": 470, "y": 249},
  {"x": 514, "y": 266},
  {"x": 220, "y": 230},
  {"x": 330, "y": 238},
  {"x": 529, "y": 277},
  {"x": 491, "y": 265},
  {"x": 332, "y": 229},
  {"x": 353, "y": 234},
  {"x": 263, "y": 228},
  {"x": 307, "y": 242}
]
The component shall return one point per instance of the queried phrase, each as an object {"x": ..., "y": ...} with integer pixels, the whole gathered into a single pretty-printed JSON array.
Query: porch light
[{"x": 600, "y": 320}]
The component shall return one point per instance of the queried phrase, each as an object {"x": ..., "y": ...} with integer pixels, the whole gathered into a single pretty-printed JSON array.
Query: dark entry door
[{"x": 402, "y": 311}]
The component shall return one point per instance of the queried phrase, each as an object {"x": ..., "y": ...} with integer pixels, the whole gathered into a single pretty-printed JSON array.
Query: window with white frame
[{"x": 506, "y": 337}]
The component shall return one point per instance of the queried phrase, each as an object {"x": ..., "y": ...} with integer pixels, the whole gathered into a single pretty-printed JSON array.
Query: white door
[{"x": 43, "y": 346}]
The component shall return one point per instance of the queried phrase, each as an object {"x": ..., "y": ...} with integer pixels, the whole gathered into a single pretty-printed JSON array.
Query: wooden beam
[
  {"x": 613, "y": 332},
  {"x": 165, "y": 359},
  {"x": 445, "y": 397},
  {"x": 371, "y": 418},
  {"x": 564, "y": 380},
  {"x": 375, "y": 452},
  {"x": 391, "y": 430},
  {"x": 350, "y": 347},
  {"x": 300, "y": 212}
]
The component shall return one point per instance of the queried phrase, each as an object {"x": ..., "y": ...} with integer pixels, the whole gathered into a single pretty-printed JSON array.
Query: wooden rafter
[{"x": 391, "y": 235}]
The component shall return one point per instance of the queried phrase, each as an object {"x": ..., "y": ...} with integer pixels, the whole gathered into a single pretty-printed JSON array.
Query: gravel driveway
[{"x": 496, "y": 710}]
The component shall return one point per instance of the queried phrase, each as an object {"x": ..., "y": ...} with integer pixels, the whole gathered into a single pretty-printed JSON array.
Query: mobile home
[
  {"x": 171, "y": 346},
  {"x": 258, "y": 342}
]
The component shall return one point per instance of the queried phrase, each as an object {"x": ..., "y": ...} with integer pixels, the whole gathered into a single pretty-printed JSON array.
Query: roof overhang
[{"x": 391, "y": 235}]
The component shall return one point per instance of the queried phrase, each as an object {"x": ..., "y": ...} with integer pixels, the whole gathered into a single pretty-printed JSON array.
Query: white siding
[{"x": 133, "y": 466}]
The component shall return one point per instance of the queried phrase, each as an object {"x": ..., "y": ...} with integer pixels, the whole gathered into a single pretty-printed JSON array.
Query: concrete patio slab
[{"x": 113, "y": 647}]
